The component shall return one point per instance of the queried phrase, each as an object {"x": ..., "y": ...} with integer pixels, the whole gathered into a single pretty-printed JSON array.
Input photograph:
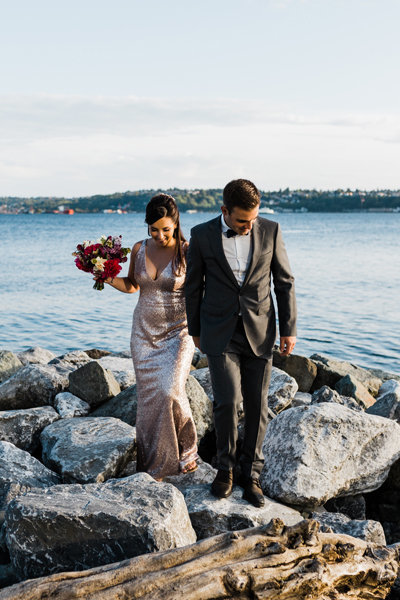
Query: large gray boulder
[
  {"x": 303, "y": 369},
  {"x": 93, "y": 383},
  {"x": 204, "y": 378},
  {"x": 31, "y": 386},
  {"x": 368, "y": 530},
  {"x": 211, "y": 517},
  {"x": 301, "y": 399},
  {"x": 349, "y": 386},
  {"x": 390, "y": 386},
  {"x": 319, "y": 452},
  {"x": 23, "y": 427},
  {"x": 123, "y": 406},
  {"x": 121, "y": 368},
  {"x": 388, "y": 406},
  {"x": 201, "y": 406},
  {"x": 9, "y": 364},
  {"x": 71, "y": 361},
  {"x": 199, "y": 360},
  {"x": 388, "y": 401},
  {"x": 282, "y": 389},
  {"x": 36, "y": 356},
  {"x": 88, "y": 449},
  {"x": 75, "y": 527},
  {"x": 205, "y": 474},
  {"x": 330, "y": 371},
  {"x": 19, "y": 472},
  {"x": 68, "y": 406},
  {"x": 325, "y": 394}
]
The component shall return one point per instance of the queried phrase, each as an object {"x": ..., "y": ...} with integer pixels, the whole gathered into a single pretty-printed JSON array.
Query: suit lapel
[
  {"x": 257, "y": 238},
  {"x": 215, "y": 237}
]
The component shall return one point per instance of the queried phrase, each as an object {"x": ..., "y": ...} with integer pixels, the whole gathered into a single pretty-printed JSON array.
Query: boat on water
[{"x": 267, "y": 210}]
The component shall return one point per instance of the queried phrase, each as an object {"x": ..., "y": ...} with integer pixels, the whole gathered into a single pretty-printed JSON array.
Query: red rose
[{"x": 111, "y": 268}]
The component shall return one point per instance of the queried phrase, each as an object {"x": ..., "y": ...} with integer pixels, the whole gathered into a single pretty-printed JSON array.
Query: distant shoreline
[{"x": 210, "y": 200}]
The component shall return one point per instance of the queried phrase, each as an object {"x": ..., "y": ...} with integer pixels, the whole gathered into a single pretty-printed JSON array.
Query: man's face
[{"x": 240, "y": 220}]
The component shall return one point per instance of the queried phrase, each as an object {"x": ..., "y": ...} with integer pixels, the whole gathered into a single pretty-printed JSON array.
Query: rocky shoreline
[{"x": 71, "y": 500}]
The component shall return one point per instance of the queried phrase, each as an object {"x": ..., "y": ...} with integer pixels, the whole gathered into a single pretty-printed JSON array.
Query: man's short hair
[{"x": 241, "y": 193}]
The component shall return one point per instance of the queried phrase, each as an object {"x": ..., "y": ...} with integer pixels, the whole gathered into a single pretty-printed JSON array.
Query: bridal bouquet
[{"x": 102, "y": 258}]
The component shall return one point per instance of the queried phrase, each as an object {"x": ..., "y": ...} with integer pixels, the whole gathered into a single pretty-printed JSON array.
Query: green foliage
[{"x": 211, "y": 200}]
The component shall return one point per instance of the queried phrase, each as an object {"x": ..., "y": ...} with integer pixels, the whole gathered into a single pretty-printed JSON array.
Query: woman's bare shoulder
[{"x": 136, "y": 248}]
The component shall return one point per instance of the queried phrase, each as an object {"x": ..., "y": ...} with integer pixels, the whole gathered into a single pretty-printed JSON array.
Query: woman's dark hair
[
  {"x": 160, "y": 206},
  {"x": 241, "y": 193}
]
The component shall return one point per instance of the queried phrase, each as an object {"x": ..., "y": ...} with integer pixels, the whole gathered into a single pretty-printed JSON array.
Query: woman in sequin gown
[{"x": 162, "y": 349}]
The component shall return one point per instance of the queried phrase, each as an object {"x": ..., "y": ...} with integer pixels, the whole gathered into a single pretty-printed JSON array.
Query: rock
[
  {"x": 72, "y": 360},
  {"x": 88, "y": 449},
  {"x": 95, "y": 353},
  {"x": 282, "y": 389},
  {"x": 204, "y": 379},
  {"x": 301, "y": 399},
  {"x": 205, "y": 474},
  {"x": 350, "y": 387},
  {"x": 353, "y": 507},
  {"x": 200, "y": 405},
  {"x": 8, "y": 575},
  {"x": 36, "y": 356},
  {"x": 123, "y": 406},
  {"x": 325, "y": 394},
  {"x": 331, "y": 370},
  {"x": 93, "y": 383},
  {"x": 323, "y": 451},
  {"x": 31, "y": 386},
  {"x": 200, "y": 360},
  {"x": 4, "y": 554},
  {"x": 393, "y": 479},
  {"x": 19, "y": 472},
  {"x": 23, "y": 427},
  {"x": 67, "y": 405},
  {"x": 370, "y": 531},
  {"x": 383, "y": 504},
  {"x": 384, "y": 375},
  {"x": 211, "y": 517},
  {"x": 9, "y": 364},
  {"x": 303, "y": 369},
  {"x": 75, "y": 527},
  {"x": 388, "y": 406},
  {"x": 121, "y": 368},
  {"x": 390, "y": 386}
]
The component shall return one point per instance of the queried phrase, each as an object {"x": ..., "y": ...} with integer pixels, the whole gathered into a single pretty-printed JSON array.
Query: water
[{"x": 347, "y": 269}]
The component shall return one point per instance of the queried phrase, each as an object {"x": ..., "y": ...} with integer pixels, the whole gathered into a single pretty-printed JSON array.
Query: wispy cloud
[{"x": 73, "y": 145}]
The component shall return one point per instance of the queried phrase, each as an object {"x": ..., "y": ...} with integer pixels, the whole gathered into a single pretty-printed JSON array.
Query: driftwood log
[{"x": 268, "y": 562}]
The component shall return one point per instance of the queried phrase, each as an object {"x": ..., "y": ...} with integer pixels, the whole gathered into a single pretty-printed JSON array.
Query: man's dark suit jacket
[{"x": 214, "y": 299}]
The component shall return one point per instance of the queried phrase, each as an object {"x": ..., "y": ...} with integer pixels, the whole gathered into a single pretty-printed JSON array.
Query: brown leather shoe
[
  {"x": 221, "y": 487},
  {"x": 253, "y": 492}
]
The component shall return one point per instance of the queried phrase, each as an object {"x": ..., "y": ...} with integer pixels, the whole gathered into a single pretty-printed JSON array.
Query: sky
[{"x": 101, "y": 96}]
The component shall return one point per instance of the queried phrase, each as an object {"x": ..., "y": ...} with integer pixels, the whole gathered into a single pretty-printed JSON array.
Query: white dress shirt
[{"x": 237, "y": 251}]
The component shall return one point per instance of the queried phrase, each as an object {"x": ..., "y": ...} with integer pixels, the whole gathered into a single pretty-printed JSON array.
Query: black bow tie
[{"x": 230, "y": 233}]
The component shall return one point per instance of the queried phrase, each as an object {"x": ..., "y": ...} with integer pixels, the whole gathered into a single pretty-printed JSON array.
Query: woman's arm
[{"x": 128, "y": 284}]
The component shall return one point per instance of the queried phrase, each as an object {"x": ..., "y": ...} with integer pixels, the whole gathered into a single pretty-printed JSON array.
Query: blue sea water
[{"x": 347, "y": 269}]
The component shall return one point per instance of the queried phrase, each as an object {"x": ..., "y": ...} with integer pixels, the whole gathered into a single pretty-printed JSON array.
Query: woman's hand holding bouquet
[{"x": 102, "y": 258}]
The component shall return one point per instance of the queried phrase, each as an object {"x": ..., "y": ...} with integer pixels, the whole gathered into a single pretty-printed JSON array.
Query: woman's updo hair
[{"x": 164, "y": 205}]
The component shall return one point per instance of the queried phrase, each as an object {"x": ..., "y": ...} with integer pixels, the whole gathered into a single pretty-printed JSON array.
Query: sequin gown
[{"x": 162, "y": 352}]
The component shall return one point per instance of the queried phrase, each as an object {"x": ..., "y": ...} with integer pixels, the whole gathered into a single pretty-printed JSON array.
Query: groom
[{"x": 231, "y": 317}]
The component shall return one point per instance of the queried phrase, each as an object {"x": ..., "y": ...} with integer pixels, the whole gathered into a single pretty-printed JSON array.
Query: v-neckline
[{"x": 145, "y": 265}]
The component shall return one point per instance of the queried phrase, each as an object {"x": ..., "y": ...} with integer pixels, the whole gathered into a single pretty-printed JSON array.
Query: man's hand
[
  {"x": 287, "y": 345},
  {"x": 196, "y": 339}
]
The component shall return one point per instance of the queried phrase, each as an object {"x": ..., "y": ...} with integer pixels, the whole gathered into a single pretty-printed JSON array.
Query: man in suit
[{"x": 231, "y": 317}]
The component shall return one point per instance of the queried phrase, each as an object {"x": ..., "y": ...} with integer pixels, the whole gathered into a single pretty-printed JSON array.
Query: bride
[{"x": 162, "y": 349}]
